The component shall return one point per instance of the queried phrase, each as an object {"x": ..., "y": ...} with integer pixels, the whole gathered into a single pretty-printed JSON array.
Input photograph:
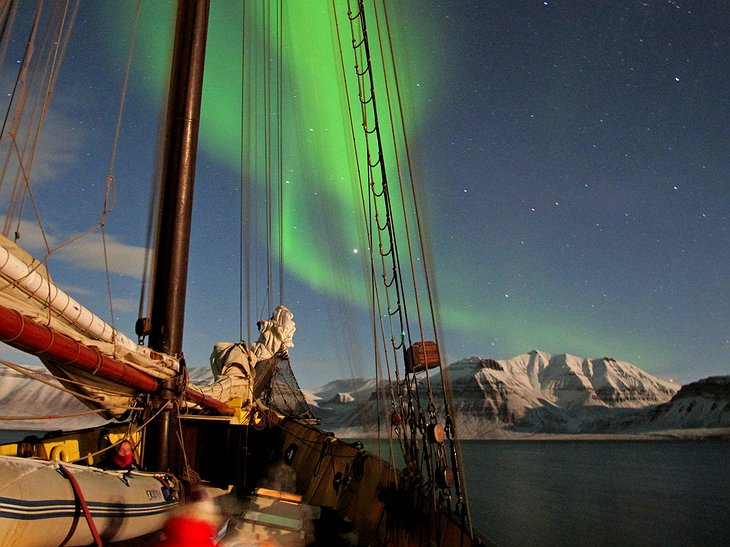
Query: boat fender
[
  {"x": 444, "y": 477},
  {"x": 59, "y": 453},
  {"x": 436, "y": 433},
  {"x": 358, "y": 465},
  {"x": 289, "y": 453}
]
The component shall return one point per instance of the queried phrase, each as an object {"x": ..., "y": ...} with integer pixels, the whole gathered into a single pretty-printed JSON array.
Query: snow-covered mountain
[
  {"x": 536, "y": 392},
  {"x": 32, "y": 400},
  {"x": 541, "y": 392},
  {"x": 532, "y": 393},
  {"x": 701, "y": 404}
]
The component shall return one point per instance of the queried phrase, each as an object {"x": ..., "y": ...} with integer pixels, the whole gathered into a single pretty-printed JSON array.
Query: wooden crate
[{"x": 422, "y": 355}]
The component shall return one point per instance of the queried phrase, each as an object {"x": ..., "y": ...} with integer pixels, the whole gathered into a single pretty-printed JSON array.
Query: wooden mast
[{"x": 178, "y": 177}]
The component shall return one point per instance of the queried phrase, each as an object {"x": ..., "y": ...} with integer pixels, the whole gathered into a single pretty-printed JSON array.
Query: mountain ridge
[
  {"x": 531, "y": 394},
  {"x": 541, "y": 393}
]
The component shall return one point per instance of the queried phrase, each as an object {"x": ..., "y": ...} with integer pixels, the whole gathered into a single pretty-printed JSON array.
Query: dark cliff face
[
  {"x": 701, "y": 404},
  {"x": 716, "y": 387}
]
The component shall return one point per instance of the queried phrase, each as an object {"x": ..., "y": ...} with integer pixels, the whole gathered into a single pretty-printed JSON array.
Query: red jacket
[{"x": 185, "y": 531}]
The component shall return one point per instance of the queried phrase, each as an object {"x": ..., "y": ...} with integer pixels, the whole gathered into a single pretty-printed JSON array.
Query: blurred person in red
[{"x": 195, "y": 523}]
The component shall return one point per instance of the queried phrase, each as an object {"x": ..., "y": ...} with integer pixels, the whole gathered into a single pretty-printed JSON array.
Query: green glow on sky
[
  {"x": 321, "y": 202},
  {"x": 322, "y": 208}
]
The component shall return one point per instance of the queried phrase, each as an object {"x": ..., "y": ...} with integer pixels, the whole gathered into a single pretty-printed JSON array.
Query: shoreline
[
  {"x": 699, "y": 434},
  {"x": 689, "y": 435},
  {"x": 705, "y": 434}
]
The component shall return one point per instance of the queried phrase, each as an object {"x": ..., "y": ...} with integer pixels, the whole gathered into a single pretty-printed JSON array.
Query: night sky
[
  {"x": 587, "y": 160},
  {"x": 572, "y": 158}
]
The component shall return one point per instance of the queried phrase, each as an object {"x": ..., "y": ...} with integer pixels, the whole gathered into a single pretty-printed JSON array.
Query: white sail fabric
[
  {"x": 234, "y": 365},
  {"x": 26, "y": 287}
]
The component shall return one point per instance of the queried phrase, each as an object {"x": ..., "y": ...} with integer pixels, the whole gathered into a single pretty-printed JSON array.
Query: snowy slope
[
  {"x": 26, "y": 397},
  {"x": 544, "y": 392},
  {"x": 536, "y": 392},
  {"x": 701, "y": 404}
]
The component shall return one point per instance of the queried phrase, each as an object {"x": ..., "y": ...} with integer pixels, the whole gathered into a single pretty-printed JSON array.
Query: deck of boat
[
  {"x": 271, "y": 518},
  {"x": 274, "y": 517}
]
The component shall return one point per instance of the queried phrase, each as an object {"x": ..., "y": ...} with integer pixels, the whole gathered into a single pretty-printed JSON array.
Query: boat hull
[
  {"x": 367, "y": 493},
  {"x": 40, "y": 506}
]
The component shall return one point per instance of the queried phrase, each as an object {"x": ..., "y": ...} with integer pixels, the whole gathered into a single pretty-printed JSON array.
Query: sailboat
[{"x": 224, "y": 438}]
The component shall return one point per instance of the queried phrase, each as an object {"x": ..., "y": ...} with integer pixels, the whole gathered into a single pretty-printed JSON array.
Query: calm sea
[
  {"x": 581, "y": 493},
  {"x": 600, "y": 493}
]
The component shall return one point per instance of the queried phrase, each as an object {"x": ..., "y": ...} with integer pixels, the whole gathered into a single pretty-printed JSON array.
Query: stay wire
[
  {"x": 400, "y": 308},
  {"x": 414, "y": 392},
  {"x": 280, "y": 144},
  {"x": 393, "y": 307},
  {"x": 108, "y": 204},
  {"x": 367, "y": 212},
  {"x": 8, "y": 14},
  {"x": 446, "y": 387},
  {"x": 267, "y": 153},
  {"x": 243, "y": 287},
  {"x": 54, "y": 40},
  {"x": 250, "y": 168}
]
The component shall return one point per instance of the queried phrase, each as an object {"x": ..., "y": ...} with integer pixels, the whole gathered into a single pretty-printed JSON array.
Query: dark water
[
  {"x": 12, "y": 435},
  {"x": 600, "y": 493},
  {"x": 580, "y": 493}
]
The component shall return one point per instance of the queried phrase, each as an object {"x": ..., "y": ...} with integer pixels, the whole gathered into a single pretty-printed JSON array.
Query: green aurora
[
  {"x": 316, "y": 143},
  {"x": 321, "y": 195}
]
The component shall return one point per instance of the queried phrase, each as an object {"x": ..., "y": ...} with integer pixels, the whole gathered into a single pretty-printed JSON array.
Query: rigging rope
[
  {"x": 8, "y": 16},
  {"x": 41, "y": 73},
  {"x": 280, "y": 143},
  {"x": 84, "y": 506},
  {"x": 54, "y": 41},
  {"x": 393, "y": 306},
  {"x": 261, "y": 159},
  {"x": 410, "y": 421},
  {"x": 39, "y": 376},
  {"x": 245, "y": 255},
  {"x": 110, "y": 184},
  {"x": 445, "y": 384}
]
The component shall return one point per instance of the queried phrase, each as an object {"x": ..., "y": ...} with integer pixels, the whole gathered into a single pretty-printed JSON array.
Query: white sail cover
[
  {"x": 234, "y": 365},
  {"x": 26, "y": 287}
]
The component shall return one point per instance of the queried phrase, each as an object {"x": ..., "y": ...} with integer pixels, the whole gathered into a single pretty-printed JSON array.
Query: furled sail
[
  {"x": 26, "y": 288},
  {"x": 236, "y": 367}
]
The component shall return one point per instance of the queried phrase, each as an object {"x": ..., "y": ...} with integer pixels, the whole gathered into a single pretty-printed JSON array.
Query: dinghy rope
[{"x": 84, "y": 506}]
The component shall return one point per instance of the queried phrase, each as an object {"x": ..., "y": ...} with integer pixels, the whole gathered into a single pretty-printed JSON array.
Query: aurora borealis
[
  {"x": 569, "y": 160},
  {"x": 316, "y": 142}
]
